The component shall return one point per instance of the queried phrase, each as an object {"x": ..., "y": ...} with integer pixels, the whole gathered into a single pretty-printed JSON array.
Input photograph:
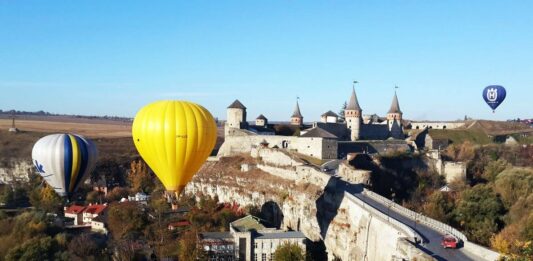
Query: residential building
[{"x": 248, "y": 239}]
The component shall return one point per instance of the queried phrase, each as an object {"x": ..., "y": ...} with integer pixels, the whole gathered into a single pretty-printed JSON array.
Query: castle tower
[
  {"x": 352, "y": 116},
  {"x": 261, "y": 120},
  {"x": 297, "y": 118},
  {"x": 394, "y": 119},
  {"x": 236, "y": 117}
]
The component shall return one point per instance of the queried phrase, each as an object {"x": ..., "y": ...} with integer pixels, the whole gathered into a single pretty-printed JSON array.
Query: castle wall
[
  {"x": 437, "y": 125},
  {"x": 338, "y": 129},
  {"x": 372, "y": 147},
  {"x": 352, "y": 175},
  {"x": 315, "y": 147},
  {"x": 374, "y": 132},
  {"x": 454, "y": 170}
]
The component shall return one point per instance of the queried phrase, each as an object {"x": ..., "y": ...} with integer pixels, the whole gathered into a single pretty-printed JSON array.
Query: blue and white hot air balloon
[
  {"x": 64, "y": 161},
  {"x": 494, "y": 95}
]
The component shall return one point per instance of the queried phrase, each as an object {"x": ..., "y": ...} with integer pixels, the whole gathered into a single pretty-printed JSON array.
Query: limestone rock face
[
  {"x": 300, "y": 197},
  {"x": 16, "y": 171}
]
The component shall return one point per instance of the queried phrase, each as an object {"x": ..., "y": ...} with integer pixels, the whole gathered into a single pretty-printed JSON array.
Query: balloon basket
[{"x": 172, "y": 199}]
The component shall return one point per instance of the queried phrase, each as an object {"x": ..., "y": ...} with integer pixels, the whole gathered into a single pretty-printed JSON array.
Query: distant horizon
[
  {"x": 109, "y": 58},
  {"x": 6, "y": 112}
]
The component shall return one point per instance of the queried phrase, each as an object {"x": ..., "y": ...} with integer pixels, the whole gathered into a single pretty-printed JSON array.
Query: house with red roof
[
  {"x": 179, "y": 224},
  {"x": 75, "y": 212},
  {"x": 92, "y": 211},
  {"x": 88, "y": 216}
]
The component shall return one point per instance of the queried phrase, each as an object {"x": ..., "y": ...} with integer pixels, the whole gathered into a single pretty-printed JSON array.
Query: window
[
  {"x": 263, "y": 257},
  {"x": 255, "y": 257},
  {"x": 255, "y": 245}
]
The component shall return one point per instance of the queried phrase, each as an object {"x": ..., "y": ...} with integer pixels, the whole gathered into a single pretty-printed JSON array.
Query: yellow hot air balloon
[{"x": 174, "y": 138}]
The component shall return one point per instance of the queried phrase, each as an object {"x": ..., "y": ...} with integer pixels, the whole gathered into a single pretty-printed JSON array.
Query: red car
[{"x": 449, "y": 241}]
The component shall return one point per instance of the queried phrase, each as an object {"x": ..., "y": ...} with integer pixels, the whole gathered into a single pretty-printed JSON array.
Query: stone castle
[{"x": 330, "y": 138}]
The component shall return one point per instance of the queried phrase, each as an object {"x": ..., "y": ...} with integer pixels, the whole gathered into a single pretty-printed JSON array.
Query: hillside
[
  {"x": 498, "y": 127},
  {"x": 482, "y": 132}
]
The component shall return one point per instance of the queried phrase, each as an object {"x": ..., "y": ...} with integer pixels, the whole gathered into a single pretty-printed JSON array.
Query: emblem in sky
[{"x": 494, "y": 96}]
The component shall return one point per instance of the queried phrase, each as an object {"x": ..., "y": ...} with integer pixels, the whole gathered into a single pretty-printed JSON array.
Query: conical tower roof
[
  {"x": 395, "y": 106},
  {"x": 261, "y": 117},
  {"x": 353, "y": 104},
  {"x": 236, "y": 105},
  {"x": 297, "y": 112}
]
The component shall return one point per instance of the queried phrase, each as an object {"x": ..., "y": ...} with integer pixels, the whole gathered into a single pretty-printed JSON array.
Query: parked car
[{"x": 449, "y": 241}]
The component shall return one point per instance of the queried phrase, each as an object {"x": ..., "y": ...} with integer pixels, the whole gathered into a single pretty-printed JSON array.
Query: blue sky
[{"x": 112, "y": 57}]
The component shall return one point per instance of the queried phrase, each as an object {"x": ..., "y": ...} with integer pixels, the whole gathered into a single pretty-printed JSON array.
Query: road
[{"x": 432, "y": 237}]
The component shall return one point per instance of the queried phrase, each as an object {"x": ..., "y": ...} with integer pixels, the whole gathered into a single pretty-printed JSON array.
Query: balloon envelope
[
  {"x": 64, "y": 161},
  {"x": 174, "y": 138},
  {"x": 494, "y": 95}
]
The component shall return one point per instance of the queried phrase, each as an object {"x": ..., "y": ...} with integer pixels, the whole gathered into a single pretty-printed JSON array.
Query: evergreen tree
[{"x": 341, "y": 112}]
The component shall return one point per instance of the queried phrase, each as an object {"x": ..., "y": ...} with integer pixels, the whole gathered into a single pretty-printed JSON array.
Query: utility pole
[{"x": 13, "y": 127}]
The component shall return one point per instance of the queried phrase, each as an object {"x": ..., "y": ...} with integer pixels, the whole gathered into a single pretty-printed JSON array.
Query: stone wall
[
  {"x": 372, "y": 147},
  {"x": 450, "y": 170},
  {"x": 454, "y": 170},
  {"x": 437, "y": 125},
  {"x": 315, "y": 147},
  {"x": 352, "y": 175}
]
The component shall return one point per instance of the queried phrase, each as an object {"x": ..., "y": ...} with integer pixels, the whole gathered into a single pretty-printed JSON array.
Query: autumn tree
[
  {"x": 439, "y": 206},
  {"x": 479, "y": 211},
  {"x": 124, "y": 218},
  {"x": 44, "y": 248},
  {"x": 139, "y": 177},
  {"x": 494, "y": 168},
  {"x": 188, "y": 246},
  {"x": 117, "y": 193},
  {"x": 514, "y": 183},
  {"x": 461, "y": 152},
  {"x": 84, "y": 246},
  {"x": 46, "y": 199},
  {"x": 289, "y": 252}
]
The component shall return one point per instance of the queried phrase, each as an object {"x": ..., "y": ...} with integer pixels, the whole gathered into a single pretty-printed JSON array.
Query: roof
[
  {"x": 445, "y": 188},
  {"x": 74, "y": 209},
  {"x": 353, "y": 104},
  {"x": 216, "y": 235},
  {"x": 247, "y": 223},
  {"x": 297, "y": 112},
  {"x": 330, "y": 113},
  {"x": 183, "y": 223},
  {"x": 95, "y": 209},
  {"x": 236, "y": 105},
  {"x": 318, "y": 132},
  {"x": 281, "y": 235},
  {"x": 395, "y": 106},
  {"x": 261, "y": 117}
]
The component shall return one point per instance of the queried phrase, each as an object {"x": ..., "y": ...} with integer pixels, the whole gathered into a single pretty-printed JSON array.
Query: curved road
[{"x": 432, "y": 237}]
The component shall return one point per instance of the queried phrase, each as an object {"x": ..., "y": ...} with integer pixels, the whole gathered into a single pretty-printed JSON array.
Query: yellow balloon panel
[{"x": 174, "y": 138}]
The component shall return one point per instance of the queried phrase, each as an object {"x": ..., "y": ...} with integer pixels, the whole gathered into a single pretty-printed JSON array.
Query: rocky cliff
[
  {"x": 15, "y": 171},
  {"x": 298, "y": 196}
]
